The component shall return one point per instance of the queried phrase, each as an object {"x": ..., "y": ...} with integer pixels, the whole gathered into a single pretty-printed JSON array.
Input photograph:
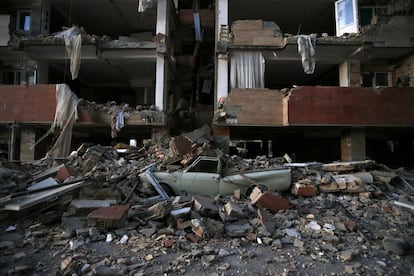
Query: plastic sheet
[
  {"x": 65, "y": 116},
  {"x": 73, "y": 44}
]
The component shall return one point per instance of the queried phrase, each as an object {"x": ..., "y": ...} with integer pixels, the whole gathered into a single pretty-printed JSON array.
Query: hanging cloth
[{"x": 306, "y": 48}]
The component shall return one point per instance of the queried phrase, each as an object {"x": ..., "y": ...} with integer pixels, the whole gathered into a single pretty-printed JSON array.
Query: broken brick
[
  {"x": 193, "y": 238},
  {"x": 60, "y": 172},
  {"x": 180, "y": 224},
  {"x": 350, "y": 225},
  {"x": 251, "y": 236},
  {"x": 269, "y": 200},
  {"x": 63, "y": 173},
  {"x": 108, "y": 217},
  {"x": 304, "y": 190},
  {"x": 180, "y": 146},
  {"x": 168, "y": 243},
  {"x": 386, "y": 209}
]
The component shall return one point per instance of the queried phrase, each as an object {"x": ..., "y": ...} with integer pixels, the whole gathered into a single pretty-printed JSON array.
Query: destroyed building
[
  {"x": 320, "y": 80},
  {"x": 132, "y": 99}
]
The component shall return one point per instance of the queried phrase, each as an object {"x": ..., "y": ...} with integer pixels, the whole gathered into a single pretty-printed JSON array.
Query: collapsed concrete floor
[{"x": 337, "y": 218}]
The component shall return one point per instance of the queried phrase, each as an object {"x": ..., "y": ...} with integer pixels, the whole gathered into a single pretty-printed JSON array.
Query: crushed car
[{"x": 207, "y": 176}]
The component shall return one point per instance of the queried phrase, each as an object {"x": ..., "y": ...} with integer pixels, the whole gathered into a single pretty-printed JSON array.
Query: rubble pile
[
  {"x": 348, "y": 218},
  {"x": 95, "y": 109}
]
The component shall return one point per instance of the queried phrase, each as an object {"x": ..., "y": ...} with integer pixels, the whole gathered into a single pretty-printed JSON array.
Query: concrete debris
[{"x": 351, "y": 215}]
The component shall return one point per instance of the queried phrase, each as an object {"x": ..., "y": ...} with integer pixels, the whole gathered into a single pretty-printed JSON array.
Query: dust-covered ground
[
  {"x": 323, "y": 235},
  {"x": 336, "y": 220}
]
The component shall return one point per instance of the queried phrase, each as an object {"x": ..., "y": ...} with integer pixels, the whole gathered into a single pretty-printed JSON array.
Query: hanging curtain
[{"x": 247, "y": 70}]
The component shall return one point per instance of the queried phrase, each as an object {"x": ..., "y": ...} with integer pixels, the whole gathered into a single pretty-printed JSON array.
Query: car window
[{"x": 208, "y": 166}]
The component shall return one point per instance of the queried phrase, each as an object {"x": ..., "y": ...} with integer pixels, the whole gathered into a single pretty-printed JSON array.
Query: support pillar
[
  {"x": 222, "y": 83},
  {"x": 28, "y": 139},
  {"x": 160, "y": 82},
  {"x": 222, "y": 138},
  {"x": 270, "y": 148},
  {"x": 42, "y": 69},
  {"x": 160, "y": 78},
  {"x": 350, "y": 73},
  {"x": 222, "y": 64},
  {"x": 353, "y": 145}
]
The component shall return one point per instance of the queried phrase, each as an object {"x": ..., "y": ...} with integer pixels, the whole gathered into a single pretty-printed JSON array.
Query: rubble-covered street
[{"x": 90, "y": 214}]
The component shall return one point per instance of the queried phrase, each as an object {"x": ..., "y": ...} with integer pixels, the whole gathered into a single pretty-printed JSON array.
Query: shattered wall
[{"x": 256, "y": 107}]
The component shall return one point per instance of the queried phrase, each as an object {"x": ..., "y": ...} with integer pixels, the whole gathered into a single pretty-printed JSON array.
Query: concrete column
[
  {"x": 222, "y": 77},
  {"x": 350, "y": 73},
  {"x": 42, "y": 73},
  {"x": 28, "y": 139},
  {"x": 160, "y": 83},
  {"x": 353, "y": 145},
  {"x": 222, "y": 72},
  {"x": 270, "y": 148},
  {"x": 222, "y": 137},
  {"x": 222, "y": 16},
  {"x": 162, "y": 17}
]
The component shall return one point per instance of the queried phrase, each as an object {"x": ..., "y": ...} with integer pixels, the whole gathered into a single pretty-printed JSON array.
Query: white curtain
[{"x": 247, "y": 70}]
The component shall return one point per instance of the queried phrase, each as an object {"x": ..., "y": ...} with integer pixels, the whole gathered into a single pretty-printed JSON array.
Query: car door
[{"x": 201, "y": 178}]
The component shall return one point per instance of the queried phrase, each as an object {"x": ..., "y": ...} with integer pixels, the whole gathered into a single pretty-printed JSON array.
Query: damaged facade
[
  {"x": 324, "y": 80},
  {"x": 138, "y": 105}
]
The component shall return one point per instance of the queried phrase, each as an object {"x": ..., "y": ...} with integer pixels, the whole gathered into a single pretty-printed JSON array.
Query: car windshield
[{"x": 207, "y": 166}]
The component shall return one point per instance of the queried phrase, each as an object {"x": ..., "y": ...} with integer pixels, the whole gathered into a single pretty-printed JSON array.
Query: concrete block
[
  {"x": 205, "y": 205},
  {"x": 233, "y": 210},
  {"x": 266, "y": 220}
]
